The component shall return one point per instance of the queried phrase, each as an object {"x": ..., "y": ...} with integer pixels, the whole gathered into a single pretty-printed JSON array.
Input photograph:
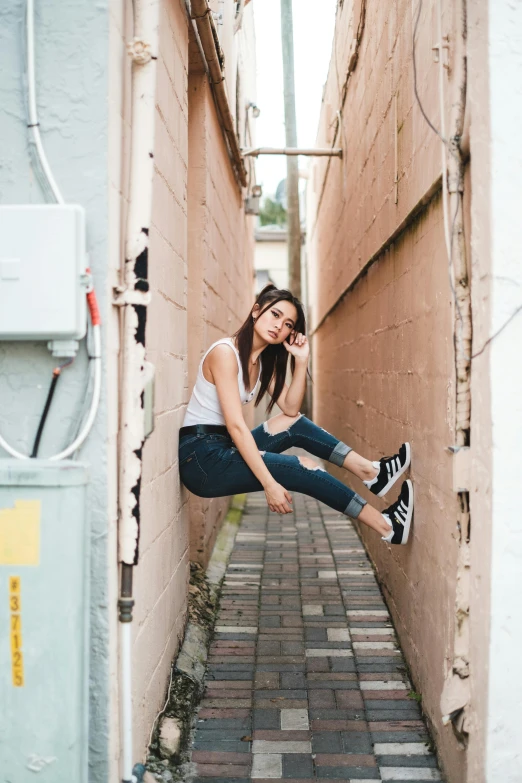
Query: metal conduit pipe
[
  {"x": 332, "y": 152},
  {"x": 133, "y": 297},
  {"x": 202, "y": 15}
]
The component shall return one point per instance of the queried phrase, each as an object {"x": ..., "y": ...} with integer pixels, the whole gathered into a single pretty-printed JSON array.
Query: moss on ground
[{"x": 186, "y": 692}]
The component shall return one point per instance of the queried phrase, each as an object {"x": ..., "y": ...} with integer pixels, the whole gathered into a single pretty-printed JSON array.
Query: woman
[{"x": 219, "y": 455}]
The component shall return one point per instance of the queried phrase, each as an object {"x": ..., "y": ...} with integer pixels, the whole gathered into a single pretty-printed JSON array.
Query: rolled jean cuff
[
  {"x": 354, "y": 507},
  {"x": 338, "y": 455}
]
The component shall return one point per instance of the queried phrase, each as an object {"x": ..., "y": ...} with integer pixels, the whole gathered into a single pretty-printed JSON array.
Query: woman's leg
[
  {"x": 282, "y": 432},
  {"x": 216, "y": 474}
]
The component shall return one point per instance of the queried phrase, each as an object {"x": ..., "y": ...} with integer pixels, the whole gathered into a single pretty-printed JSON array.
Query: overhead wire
[{"x": 447, "y": 147}]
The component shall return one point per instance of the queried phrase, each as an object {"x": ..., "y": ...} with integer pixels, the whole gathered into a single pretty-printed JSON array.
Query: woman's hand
[
  {"x": 278, "y": 498},
  {"x": 299, "y": 346}
]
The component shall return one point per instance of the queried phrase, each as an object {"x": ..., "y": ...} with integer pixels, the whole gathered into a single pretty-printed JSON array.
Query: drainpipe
[
  {"x": 133, "y": 297},
  {"x": 214, "y": 58}
]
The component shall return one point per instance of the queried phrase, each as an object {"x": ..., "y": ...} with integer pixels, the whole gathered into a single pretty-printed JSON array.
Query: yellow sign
[
  {"x": 20, "y": 534},
  {"x": 17, "y": 656}
]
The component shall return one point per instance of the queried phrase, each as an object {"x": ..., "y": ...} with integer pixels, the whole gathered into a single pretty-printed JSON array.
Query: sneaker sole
[
  {"x": 403, "y": 470},
  {"x": 409, "y": 515}
]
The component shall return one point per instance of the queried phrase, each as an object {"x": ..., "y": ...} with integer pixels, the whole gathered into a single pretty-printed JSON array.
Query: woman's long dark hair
[{"x": 274, "y": 360}]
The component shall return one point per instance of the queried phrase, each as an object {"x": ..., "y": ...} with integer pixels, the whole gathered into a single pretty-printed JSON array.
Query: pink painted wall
[
  {"x": 201, "y": 278},
  {"x": 383, "y": 316}
]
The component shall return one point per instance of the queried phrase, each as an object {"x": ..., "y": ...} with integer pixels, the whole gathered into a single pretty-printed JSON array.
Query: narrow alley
[
  {"x": 305, "y": 678},
  {"x": 332, "y": 189}
]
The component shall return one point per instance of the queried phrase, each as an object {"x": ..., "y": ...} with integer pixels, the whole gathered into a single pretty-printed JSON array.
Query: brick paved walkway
[{"x": 305, "y": 679}]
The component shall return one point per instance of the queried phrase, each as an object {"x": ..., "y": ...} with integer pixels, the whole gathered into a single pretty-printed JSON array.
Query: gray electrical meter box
[
  {"x": 44, "y": 622},
  {"x": 42, "y": 272}
]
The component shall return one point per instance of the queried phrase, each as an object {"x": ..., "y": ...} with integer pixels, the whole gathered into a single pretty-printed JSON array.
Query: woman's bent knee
[
  {"x": 308, "y": 463},
  {"x": 280, "y": 423}
]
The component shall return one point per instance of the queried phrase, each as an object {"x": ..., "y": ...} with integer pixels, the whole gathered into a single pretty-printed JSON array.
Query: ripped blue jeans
[{"x": 211, "y": 466}]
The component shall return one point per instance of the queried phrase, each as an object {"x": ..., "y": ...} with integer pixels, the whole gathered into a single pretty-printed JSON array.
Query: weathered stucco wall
[
  {"x": 72, "y": 51},
  {"x": 383, "y": 314}
]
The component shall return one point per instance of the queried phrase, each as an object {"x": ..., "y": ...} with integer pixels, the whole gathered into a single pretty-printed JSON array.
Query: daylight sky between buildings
[{"x": 313, "y": 34}]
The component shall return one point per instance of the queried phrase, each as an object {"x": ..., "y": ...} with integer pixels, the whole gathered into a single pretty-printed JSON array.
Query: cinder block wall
[
  {"x": 200, "y": 266},
  {"x": 382, "y": 311},
  {"x": 220, "y": 265}
]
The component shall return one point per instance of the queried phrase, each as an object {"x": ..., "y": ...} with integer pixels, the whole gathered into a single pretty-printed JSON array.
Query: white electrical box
[{"x": 42, "y": 272}]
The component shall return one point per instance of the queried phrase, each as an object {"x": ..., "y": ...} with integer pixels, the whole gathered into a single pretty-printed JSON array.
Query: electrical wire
[
  {"x": 43, "y": 417},
  {"x": 162, "y": 711},
  {"x": 94, "y": 313},
  {"x": 449, "y": 244},
  {"x": 52, "y": 388},
  {"x": 95, "y": 399},
  {"x": 34, "y": 125},
  {"x": 499, "y": 330},
  {"x": 415, "y": 88},
  {"x": 78, "y": 421},
  {"x": 449, "y": 232},
  {"x": 92, "y": 304}
]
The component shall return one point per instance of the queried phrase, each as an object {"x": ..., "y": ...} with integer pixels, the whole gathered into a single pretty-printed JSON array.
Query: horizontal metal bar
[{"x": 333, "y": 152}]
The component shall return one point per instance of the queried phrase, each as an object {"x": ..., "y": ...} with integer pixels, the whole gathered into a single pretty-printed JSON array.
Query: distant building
[{"x": 270, "y": 256}]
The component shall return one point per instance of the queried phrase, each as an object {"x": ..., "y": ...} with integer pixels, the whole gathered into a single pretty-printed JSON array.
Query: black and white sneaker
[
  {"x": 390, "y": 469},
  {"x": 399, "y": 515}
]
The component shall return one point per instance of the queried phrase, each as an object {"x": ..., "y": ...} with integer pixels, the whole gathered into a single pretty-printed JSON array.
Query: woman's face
[{"x": 277, "y": 323}]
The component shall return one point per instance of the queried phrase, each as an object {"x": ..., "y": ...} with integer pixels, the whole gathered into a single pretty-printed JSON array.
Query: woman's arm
[
  {"x": 223, "y": 368},
  {"x": 291, "y": 398}
]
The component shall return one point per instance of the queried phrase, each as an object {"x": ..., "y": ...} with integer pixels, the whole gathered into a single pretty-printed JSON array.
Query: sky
[{"x": 313, "y": 34}]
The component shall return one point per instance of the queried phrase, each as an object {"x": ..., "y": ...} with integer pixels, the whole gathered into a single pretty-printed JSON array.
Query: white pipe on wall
[
  {"x": 34, "y": 125},
  {"x": 134, "y": 298},
  {"x": 126, "y": 700}
]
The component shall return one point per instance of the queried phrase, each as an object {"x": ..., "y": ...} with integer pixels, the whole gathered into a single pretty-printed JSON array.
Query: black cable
[
  {"x": 414, "y": 59},
  {"x": 50, "y": 394},
  {"x": 496, "y": 334}
]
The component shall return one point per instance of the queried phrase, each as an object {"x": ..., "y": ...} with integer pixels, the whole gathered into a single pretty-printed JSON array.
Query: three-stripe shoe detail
[
  {"x": 400, "y": 514},
  {"x": 390, "y": 470}
]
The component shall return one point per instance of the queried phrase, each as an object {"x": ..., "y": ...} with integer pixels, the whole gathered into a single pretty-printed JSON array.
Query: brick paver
[{"x": 305, "y": 678}]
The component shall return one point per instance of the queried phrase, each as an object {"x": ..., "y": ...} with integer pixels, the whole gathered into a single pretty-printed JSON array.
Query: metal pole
[
  {"x": 314, "y": 152},
  {"x": 292, "y": 171}
]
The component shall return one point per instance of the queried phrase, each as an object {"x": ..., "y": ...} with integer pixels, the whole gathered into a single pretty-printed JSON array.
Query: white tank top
[{"x": 204, "y": 406}]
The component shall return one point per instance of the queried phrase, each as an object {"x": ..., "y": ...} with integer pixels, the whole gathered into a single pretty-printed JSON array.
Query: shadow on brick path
[{"x": 305, "y": 678}]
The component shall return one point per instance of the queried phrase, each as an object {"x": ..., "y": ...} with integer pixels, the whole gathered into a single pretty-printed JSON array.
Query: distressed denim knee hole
[
  {"x": 308, "y": 464},
  {"x": 286, "y": 429}
]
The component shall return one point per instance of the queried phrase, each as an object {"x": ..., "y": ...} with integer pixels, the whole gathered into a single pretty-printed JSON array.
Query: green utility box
[{"x": 44, "y": 621}]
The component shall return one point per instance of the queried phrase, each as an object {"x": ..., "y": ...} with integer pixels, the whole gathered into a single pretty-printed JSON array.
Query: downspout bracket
[{"x": 123, "y": 297}]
